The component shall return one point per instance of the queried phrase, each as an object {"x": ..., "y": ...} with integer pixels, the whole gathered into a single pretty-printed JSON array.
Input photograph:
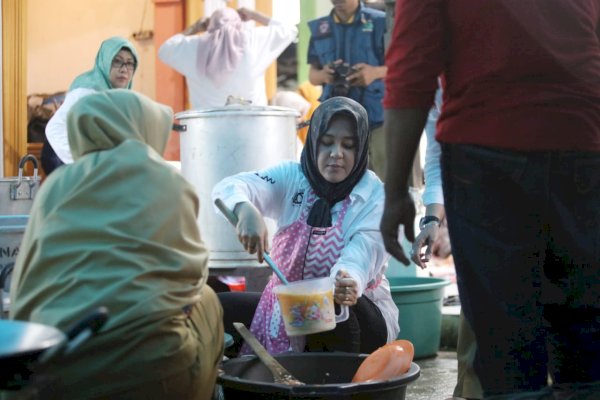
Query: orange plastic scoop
[{"x": 388, "y": 361}]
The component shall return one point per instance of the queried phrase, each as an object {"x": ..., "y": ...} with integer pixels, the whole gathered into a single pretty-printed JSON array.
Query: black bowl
[
  {"x": 326, "y": 376},
  {"x": 21, "y": 343}
]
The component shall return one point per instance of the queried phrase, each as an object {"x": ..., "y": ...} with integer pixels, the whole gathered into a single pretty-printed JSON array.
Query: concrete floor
[{"x": 437, "y": 380}]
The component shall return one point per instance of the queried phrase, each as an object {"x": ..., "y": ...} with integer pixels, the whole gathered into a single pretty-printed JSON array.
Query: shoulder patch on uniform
[
  {"x": 324, "y": 27},
  {"x": 366, "y": 24},
  {"x": 298, "y": 197}
]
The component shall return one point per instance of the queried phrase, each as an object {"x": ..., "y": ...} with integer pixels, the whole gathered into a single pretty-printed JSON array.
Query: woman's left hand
[
  {"x": 247, "y": 14},
  {"x": 346, "y": 290},
  {"x": 199, "y": 26}
]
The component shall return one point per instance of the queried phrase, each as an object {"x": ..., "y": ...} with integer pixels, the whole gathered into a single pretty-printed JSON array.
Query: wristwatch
[{"x": 428, "y": 219}]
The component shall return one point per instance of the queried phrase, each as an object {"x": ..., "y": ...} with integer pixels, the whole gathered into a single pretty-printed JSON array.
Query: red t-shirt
[{"x": 517, "y": 74}]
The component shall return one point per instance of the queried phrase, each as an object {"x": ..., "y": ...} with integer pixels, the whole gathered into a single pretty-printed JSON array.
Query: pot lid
[
  {"x": 19, "y": 338},
  {"x": 237, "y": 109}
]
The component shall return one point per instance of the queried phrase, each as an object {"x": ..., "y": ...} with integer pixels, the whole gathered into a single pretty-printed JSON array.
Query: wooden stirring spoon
[{"x": 280, "y": 374}]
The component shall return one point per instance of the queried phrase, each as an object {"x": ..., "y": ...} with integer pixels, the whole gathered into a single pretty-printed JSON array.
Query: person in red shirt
[{"x": 520, "y": 137}]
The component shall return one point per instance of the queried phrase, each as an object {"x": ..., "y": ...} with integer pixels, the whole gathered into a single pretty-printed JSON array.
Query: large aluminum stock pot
[{"x": 219, "y": 142}]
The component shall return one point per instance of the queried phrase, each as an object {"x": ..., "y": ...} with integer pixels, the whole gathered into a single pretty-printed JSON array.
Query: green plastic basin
[{"x": 419, "y": 300}]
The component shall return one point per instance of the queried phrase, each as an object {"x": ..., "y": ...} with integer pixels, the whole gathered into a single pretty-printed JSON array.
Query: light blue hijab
[{"x": 98, "y": 78}]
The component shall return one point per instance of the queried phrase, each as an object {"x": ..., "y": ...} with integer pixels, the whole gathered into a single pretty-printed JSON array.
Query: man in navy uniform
[{"x": 346, "y": 56}]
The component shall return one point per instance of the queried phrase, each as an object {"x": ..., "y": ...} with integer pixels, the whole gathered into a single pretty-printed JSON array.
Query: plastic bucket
[
  {"x": 398, "y": 270},
  {"x": 419, "y": 300},
  {"x": 307, "y": 306}
]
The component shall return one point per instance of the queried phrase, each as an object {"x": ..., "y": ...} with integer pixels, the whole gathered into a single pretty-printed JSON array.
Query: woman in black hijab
[{"x": 327, "y": 209}]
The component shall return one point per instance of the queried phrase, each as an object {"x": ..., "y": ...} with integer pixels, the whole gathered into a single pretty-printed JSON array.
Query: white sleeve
[
  {"x": 433, "y": 192},
  {"x": 266, "y": 189},
  {"x": 268, "y": 42},
  {"x": 56, "y": 129},
  {"x": 364, "y": 256},
  {"x": 179, "y": 52},
  {"x": 433, "y": 174}
]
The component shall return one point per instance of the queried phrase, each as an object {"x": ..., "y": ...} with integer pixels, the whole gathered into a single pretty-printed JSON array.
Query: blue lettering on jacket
[{"x": 265, "y": 178}]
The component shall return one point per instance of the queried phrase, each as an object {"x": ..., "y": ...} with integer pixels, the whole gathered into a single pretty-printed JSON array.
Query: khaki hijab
[{"x": 116, "y": 228}]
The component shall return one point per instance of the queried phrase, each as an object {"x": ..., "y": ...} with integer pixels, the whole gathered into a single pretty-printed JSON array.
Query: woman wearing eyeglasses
[{"x": 116, "y": 62}]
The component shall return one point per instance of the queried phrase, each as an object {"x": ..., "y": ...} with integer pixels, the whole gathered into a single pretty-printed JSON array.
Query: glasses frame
[{"x": 118, "y": 64}]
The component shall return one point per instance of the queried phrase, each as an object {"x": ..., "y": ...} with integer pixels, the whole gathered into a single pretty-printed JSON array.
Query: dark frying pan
[{"x": 27, "y": 346}]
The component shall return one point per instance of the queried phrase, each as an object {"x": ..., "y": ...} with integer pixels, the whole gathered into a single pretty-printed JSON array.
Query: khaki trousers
[
  {"x": 467, "y": 385},
  {"x": 198, "y": 382}
]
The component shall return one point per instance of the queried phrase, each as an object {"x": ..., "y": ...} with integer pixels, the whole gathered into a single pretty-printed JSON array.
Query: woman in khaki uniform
[{"x": 117, "y": 228}]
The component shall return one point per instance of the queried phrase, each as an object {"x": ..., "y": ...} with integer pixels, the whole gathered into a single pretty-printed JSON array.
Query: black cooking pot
[{"x": 326, "y": 375}]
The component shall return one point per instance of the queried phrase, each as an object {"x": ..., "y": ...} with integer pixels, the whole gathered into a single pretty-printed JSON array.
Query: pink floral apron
[{"x": 301, "y": 252}]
